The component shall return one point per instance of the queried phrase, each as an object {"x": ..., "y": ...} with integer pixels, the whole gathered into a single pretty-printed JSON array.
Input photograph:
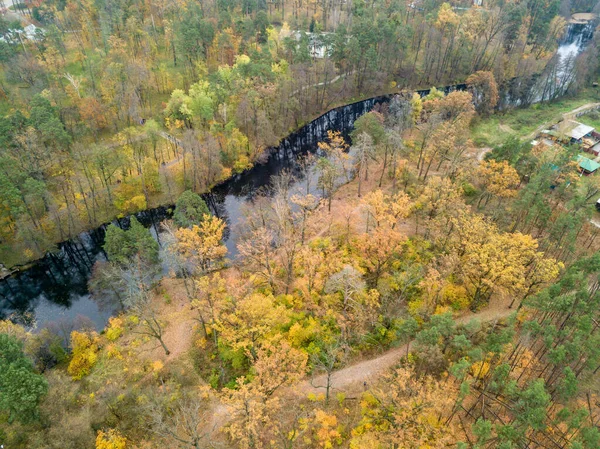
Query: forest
[
  {"x": 429, "y": 280},
  {"x": 214, "y": 84}
]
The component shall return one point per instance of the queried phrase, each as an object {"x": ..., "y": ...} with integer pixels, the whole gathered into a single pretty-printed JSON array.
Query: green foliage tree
[
  {"x": 190, "y": 209},
  {"x": 370, "y": 123},
  {"x": 136, "y": 243},
  {"x": 21, "y": 388}
]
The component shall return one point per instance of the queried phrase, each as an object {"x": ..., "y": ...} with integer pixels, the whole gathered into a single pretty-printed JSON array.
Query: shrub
[
  {"x": 114, "y": 329},
  {"x": 481, "y": 141}
]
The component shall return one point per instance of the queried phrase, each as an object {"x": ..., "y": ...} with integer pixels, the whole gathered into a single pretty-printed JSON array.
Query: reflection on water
[
  {"x": 55, "y": 288},
  {"x": 558, "y": 75}
]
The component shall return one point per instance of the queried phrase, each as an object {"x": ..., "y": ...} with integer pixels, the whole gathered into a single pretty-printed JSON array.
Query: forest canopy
[
  {"x": 408, "y": 282},
  {"x": 110, "y": 108}
]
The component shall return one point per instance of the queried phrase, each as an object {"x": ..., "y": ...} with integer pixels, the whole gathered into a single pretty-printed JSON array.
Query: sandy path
[
  {"x": 351, "y": 378},
  {"x": 481, "y": 152}
]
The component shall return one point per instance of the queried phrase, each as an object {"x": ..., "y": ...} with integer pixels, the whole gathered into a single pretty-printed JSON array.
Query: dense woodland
[
  {"x": 227, "y": 78},
  {"x": 433, "y": 294}
]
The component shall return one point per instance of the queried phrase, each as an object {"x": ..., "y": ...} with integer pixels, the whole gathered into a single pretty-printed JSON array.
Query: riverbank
[
  {"x": 58, "y": 281},
  {"x": 22, "y": 251},
  {"x": 486, "y": 132},
  {"x": 16, "y": 259},
  {"x": 55, "y": 283}
]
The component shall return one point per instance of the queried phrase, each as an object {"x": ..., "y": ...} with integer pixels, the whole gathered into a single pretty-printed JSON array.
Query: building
[
  {"x": 587, "y": 166},
  {"x": 594, "y": 149},
  {"x": 575, "y": 131}
]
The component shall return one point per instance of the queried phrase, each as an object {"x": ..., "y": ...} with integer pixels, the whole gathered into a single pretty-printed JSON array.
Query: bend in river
[{"x": 54, "y": 289}]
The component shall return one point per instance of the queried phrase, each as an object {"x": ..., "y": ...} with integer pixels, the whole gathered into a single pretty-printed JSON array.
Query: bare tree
[
  {"x": 286, "y": 229},
  {"x": 364, "y": 152},
  {"x": 136, "y": 282},
  {"x": 330, "y": 358},
  {"x": 349, "y": 283},
  {"x": 181, "y": 420}
]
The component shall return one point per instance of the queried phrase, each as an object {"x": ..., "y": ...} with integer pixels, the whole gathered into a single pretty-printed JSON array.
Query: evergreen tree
[
  {"x": 21, "y": 388},
  {"x": 122, "y": 247},
  {"x": 189, "y": 210}
]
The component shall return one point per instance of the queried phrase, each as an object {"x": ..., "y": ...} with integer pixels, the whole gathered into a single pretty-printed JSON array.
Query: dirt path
[
  {"x": 333, "y": 80},
  {"x": 351, "y": 378},
  {"x": 481, "y": 152},
  {"x": 583, "y": 108}
]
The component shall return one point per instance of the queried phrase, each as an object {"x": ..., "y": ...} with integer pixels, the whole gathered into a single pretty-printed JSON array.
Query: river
[
  {"x": 53, "y": 291},
  {"x": 556, "y": 78}
]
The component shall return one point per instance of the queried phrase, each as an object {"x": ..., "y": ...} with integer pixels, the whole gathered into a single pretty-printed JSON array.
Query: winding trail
[
  {"x": 351, "y": 378},
  {"x": 324, "y": 83}
]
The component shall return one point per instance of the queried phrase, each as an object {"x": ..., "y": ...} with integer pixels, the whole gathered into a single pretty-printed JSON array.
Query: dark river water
[{"x": 54, "y": 289}]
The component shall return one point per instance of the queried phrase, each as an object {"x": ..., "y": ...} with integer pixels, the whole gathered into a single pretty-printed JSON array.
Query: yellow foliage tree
[
  {"x": 378, "y": 249},
  {"x": 254, "y": 408},
  {"x": 210, "y": 301},
  {"x": 85, "y": 353},
  {"x": 335, "y": 147},
  {"x": 497, "y": 179},
  {"x": 110, "y": 439},
  {"x": 327, "y": 430},
  {"x": 379, "y": 246},
  {"x": 386, "y": 210},
  {"x": 316, "y": 261},
  {"x": 485, "y": 91},
  {"x": 251, "y": 321},
  {"x": 439, "y": 201},
  {"x": 115, "y": 328},
  {"x": 202, "y": 244},
  {"x": 505, "y": 261},
  {"x": 406, "y": 411}
]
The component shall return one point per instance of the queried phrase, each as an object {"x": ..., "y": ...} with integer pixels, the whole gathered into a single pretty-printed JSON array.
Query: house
[
  {"x": 587, "y": 166},
  {"x": 575, "y": 131},
  {"x": 14, "y": 36},
  {"x": 594, "y": 149}
]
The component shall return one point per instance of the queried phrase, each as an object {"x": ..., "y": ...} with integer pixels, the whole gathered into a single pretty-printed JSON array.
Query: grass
[
  {"x": 4, "y": 107},
  {"x": 521, "y": 122},
  {"x": 592, "y": 118}
]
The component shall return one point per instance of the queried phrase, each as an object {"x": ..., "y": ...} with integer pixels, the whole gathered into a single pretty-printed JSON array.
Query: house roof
[
  {"x": 575, "y": 130},
  {"x": 588, "y": 165},
  {"x": 580, "y": 131}
]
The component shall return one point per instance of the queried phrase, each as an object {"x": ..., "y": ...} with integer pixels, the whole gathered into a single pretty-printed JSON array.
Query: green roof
[{"x": 588, "y": 164}]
